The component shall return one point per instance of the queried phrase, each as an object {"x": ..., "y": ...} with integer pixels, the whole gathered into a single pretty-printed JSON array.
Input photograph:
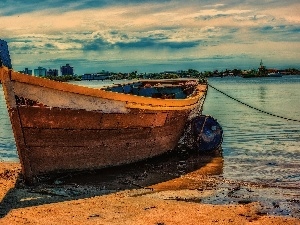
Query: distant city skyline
[
  {"x": 42, "y": 71},
  {"x": 151, "y": 36}
]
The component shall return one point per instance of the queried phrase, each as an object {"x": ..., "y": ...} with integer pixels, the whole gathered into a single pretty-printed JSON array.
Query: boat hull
[
  {"x": 61, "y": 127},
  {"x": 61, "y": 144}
]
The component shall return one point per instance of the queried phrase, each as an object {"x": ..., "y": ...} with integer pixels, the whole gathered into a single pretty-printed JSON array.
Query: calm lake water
[{"x": 258, "y": 149}]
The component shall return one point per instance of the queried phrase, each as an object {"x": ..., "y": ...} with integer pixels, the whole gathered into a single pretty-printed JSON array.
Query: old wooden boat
[{"x": 61, "y": 127}]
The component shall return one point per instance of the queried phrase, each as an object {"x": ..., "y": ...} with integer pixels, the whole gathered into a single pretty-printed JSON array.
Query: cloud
[
  {"x": 143, "y": 31},
  {"x": 96, "y": 45},
  {"x": 138, "y": 43},
  {"x": 154, "y": 43},
  {"x": 278, "y": 32},
  {"x": 7, "y": 8}
]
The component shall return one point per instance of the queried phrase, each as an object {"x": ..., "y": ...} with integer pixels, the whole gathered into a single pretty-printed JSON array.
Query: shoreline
[{"x": 163, "y": 203}]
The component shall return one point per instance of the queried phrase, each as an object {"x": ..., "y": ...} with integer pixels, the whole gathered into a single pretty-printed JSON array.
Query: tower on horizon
[
  {"x": 4, "y": 54},
  {"x": 66, "y": 70}
]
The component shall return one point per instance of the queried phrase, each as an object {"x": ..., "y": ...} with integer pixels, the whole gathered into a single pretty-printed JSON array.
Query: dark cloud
[
  {"x": 253, "y": 3},
  {"x": 9, "y": 8},
  {"x": 222, "y": 57},
  {"x": 146, "y": 42},
  {"x": 48, "y": 45},
  {"x": 26, "y": 48},
  {"x": 208, "y": 17},
  {"x": 278, "y": 33},
  {"x": 96, "y": 44}
]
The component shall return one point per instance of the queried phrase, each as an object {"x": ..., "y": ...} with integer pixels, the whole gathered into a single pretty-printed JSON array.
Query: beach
[
  {"x": 157, "y": 204},
  {"x": 254, "y": 179}
]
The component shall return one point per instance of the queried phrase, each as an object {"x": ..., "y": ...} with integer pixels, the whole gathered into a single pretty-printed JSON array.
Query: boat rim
[{"x": 110, "y": 95}]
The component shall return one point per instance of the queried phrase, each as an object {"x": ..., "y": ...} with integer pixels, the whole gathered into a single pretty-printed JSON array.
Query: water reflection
[{"x": 262, "y": 94}]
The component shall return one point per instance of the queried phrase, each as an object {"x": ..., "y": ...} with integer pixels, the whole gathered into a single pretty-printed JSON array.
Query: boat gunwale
[{"x": 88, "y": 91}]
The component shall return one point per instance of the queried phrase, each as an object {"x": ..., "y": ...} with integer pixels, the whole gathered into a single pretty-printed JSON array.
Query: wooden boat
[{"x": 61, "y": 127}]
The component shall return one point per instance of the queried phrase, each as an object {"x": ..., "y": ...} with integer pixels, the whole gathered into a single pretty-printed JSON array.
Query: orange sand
[{"x": 138, "y": 206}]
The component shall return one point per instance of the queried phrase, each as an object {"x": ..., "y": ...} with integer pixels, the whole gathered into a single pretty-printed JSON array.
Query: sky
[{"x": 151, "y": 36}]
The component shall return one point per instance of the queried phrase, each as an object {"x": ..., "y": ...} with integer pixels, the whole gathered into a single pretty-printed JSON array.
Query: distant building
[
  {"x": 26, "y": 71},
  {"x": 4, "y": 54},
  {"x": 96, "y": 76},
  {"x": 52, "y": 72},
  {"x": 66, "y": 70},
  {"x": 40, "y": 72},
  {"x": 170, "y": 72},
  {"x": 87, "y": 76}
]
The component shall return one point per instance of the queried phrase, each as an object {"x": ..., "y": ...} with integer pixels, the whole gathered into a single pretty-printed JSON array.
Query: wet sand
[{"x": 125, "y": 199}]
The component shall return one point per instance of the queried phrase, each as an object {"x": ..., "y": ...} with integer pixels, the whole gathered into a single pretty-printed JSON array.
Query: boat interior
[{"x": 156, "y": 89}]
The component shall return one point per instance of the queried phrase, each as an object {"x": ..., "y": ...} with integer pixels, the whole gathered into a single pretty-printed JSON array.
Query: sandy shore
[{"x": 87, "y": 204}]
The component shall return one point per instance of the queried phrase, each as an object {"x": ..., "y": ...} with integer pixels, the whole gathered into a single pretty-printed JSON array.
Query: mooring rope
[{"x": 252, "y": 107}]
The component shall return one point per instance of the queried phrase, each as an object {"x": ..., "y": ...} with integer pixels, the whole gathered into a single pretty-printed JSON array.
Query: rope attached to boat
[{"x": 252, "y": 107}]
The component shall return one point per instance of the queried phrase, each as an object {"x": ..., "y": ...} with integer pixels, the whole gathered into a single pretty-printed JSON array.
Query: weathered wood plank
[
  {"x": 133, "y": 120},
  {"x": 46, "y": 159},
  {"x": 77, "y": 137},
  {"x": 92, "y": 137},
  {"x": 39, "y": 117}
]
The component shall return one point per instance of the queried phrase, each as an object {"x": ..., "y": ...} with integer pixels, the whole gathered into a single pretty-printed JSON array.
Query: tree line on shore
[{"x": 190, "y": 73}]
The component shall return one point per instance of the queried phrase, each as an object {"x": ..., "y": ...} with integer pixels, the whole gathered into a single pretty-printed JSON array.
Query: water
[
  {"x": 8, "y": 150},
  {"x": 260, "y": 151},
  {"x": 258, "y": 147}
]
